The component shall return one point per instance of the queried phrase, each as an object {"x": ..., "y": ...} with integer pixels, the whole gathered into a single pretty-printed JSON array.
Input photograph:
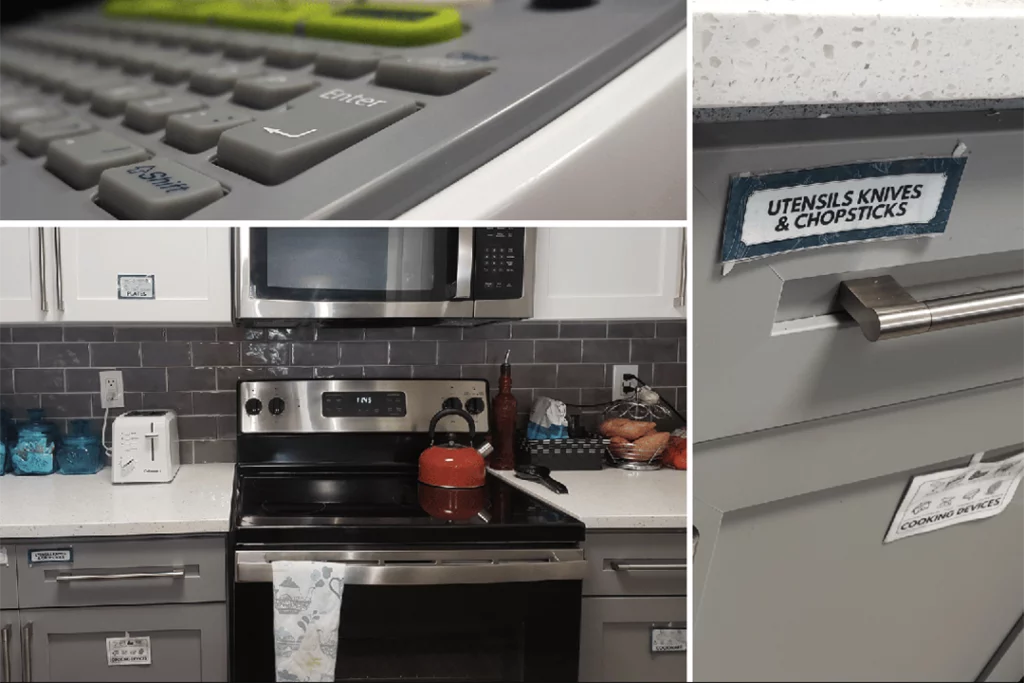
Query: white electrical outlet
[
  {"x": 111, "y": 389},
  {"x": 621, "y": 388}
]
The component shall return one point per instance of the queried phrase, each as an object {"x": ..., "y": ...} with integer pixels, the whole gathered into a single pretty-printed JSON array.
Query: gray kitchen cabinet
[
  {"x": 615, "y": 639},
  {"x": 10, "y": 646},
  {"x": 188, "y": 642},
  {"x": 170, "y": 589},
  {"x": 8, "y": 576},
  {"x": 777, "y": 349},
  {"x": 635, "y": 586}
]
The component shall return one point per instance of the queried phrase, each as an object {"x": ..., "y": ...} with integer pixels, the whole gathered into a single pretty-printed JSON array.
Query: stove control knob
[
  {"x": 452, "y": 403},
  {"x": 475, "y": 405},
  {"x": 276, "y": 406},
  {"x": 253, "y": 406}
]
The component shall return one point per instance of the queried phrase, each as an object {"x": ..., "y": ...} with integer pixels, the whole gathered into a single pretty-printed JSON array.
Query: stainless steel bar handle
[
  {"x": 648, "y": 566},
  {"x": 26, "y": 652},
  {"x": 464, "y": 265},
  {"x": 5, "y": 644},
  {"x": 884, "y": 310},
  {"x": 60, "y": 269},
  {"x": 164, "y": 574},
  {"x": 680, "y": 299},
  {"x": 43, "y": 303}
]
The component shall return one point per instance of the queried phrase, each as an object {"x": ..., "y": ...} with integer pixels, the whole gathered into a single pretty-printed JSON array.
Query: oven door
[
  {"x": 471, "y": 615},
  {"x": 337, "y": 273}
]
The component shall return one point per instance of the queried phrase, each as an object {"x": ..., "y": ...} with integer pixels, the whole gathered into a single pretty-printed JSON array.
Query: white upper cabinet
[
  {"x": 118, "y": 275},
  {"x": 610, "y": 273},
  {"x": 23, "y": 275}
]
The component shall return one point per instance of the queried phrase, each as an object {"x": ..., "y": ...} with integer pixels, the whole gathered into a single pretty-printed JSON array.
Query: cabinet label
[
  {"x": 59, "y": 555},
  {"x": 773, "y": 213},
  {"x": 134, "y": 651},
  {"x": 668, "y": 639},
  {"x": 3, "y": 557},
  {"x": 136, "y": 287},
  {"x": 941, "y": 499}
]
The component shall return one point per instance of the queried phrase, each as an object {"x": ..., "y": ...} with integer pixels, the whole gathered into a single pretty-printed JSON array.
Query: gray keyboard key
[
  {"x": 281, "y": 146},
  {"x": 80, "y": 161},
  {"x": 80, "y": 91},
  {"x": 217, "y": 79},
  {"x": 179, "y": 70},
  {"x": 199, "y": 131},
  {"x": 157, "y": 189},
  {"x": 34, "y": 138},
  {"x": 112, "y": 101},
  {"x": 13, "y": 117},
  {"x": 269, "y": 91},
  {"x": 150, "y": 115},
  {"x": 347, "y": 62},
  {"x": 291, "y": 53},
  {"x": 244, "y": 45},
  {"x": 429, "y": 75}
]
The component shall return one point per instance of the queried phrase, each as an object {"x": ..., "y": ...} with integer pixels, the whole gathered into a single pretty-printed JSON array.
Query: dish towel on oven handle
[{"x": 307, "y": 612}]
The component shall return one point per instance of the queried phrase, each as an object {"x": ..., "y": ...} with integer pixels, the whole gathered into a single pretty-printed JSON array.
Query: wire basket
[{"x": 629, "y": 454}]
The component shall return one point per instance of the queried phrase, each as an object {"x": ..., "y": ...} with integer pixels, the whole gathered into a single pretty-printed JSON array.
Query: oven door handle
[
  {"x": 261, "y": 571},
  {"x": 464, "y": 265}
]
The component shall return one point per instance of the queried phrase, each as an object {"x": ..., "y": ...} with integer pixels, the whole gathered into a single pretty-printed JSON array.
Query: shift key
[
  {"x": 156, "y": 189},
  {"x": 320, "y": 125}
]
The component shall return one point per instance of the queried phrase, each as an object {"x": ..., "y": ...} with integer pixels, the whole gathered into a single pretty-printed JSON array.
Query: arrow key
[
  {"x": 281, "y": 146},
  {"x": 267, "y": 92},
  {"x": 198, "y": 131}
]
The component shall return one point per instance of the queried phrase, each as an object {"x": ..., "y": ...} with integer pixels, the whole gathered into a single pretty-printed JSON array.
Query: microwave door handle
[{"x": 464, "y": 265}]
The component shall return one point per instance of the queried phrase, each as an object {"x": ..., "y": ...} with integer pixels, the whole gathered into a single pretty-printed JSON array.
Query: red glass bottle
[{"x": 504, "y": 407}]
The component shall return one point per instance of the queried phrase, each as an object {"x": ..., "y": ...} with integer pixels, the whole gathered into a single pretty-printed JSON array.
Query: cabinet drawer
[
  {"x": 776, "y": 347},
  {"x": 635, "y": 564},
  {"x": 187, "y": 642},
  {"x": 9, "y": 577},
  {"x": 615, "y": 639},
  {"x": 124, "y": 572}
]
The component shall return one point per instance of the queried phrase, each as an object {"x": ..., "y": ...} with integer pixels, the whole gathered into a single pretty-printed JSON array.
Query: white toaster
[{"x": 145, "y": 447}]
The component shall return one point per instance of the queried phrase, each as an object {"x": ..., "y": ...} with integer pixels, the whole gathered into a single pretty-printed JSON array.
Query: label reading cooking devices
[
  {"x": 773, "y": 213},
  {"x": 941, "y": 499},
  {"x": 129, "y": 651},
  {"x": 668, "y": 639}
]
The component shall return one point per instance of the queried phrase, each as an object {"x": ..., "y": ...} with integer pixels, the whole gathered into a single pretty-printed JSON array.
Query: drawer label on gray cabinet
[
  {"x": 3, "y": 557},
  {"x": 50, "y": 555},
  {"x": 773, "y": 213},
  {"x": 668, "y": 639},
  {"x": 941, "y": 499},
  {"x": 129, "y": 651},
  {"x": 136, "y": 287}
]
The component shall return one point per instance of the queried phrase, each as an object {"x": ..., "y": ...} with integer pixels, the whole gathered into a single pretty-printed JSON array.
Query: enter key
[{"x": 320, "y": 125}]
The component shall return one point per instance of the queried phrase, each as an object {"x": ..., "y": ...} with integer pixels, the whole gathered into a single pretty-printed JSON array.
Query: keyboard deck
[{"x": 157, "y": 117}]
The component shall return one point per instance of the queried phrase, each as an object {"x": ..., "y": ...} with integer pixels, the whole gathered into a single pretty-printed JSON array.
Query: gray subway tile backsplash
[{"x": 194, "y": 369}]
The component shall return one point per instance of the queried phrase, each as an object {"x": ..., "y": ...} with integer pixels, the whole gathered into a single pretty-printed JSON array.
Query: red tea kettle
[{"x": 451, "y": 465}]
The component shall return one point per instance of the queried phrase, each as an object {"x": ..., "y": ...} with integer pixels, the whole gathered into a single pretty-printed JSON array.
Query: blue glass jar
[
  {"x": 37, "y": 442},
  {"x": 6, "y": 432},
  {"x": 80, "y": 452}
]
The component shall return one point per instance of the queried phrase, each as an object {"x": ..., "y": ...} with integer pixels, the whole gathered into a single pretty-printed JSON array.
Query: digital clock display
[{"x": 363, "y": 404}]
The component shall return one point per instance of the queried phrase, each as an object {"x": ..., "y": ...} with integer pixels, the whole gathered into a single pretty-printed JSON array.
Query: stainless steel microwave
[{"x": 334, "y": 274}]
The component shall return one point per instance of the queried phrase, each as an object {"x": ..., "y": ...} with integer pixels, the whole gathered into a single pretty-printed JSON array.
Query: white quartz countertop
[
  {"x": 613, "y": 498},
  {"x": 197, "y": 501},
  {"x": 757, "y": 53}
]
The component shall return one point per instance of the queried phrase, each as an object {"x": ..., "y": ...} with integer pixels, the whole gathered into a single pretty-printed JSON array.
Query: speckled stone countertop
[
  {"x": 838, "y": 57},
  {"x": 613, "y": 498},
  {"x": 197, "y": 501}
]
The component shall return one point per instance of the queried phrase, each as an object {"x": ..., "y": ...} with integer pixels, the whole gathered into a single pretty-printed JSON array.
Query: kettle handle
[{"x": 452, "y": 411}]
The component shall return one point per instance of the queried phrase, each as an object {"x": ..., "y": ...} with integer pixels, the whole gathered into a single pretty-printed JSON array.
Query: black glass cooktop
[{"x": 380, "y": 507}]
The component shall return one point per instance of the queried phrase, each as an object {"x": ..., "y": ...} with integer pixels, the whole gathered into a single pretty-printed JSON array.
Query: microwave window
[{"x": 354, "y": 264}]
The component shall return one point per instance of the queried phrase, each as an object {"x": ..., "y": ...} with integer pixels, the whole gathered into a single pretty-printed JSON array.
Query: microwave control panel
[{"x": 499, "y": 263}]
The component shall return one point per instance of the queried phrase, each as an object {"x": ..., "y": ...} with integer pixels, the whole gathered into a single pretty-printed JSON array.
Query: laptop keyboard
[{"x": 142, "y": 113}]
